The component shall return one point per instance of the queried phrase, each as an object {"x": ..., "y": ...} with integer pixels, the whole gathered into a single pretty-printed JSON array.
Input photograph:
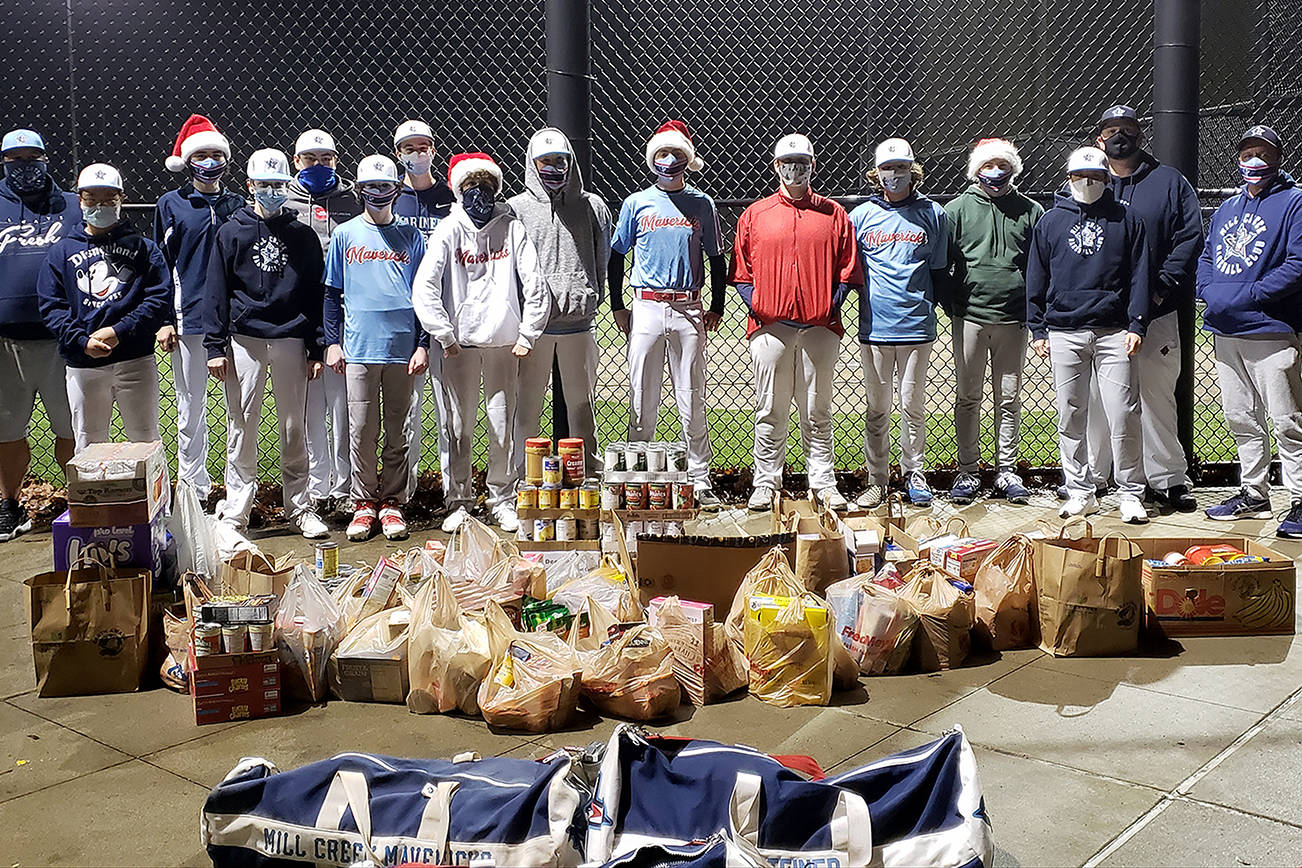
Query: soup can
[
  {"x": 549, "y": 497},
  {"x": 658, "y": 495},
  {"x": 631, "y": 530},
  {"x": 526, "y": 496},
  {"x": 635, "y": 494},
  {"x": 590, "y": 495},
  {"x": 260, "y": 636},
  {"x": 327, "y": 560},
  {"x": 567, "y": 529},
  {"x": 551, "y": 470},
  {"x": 609, "y": 540},
  {"x": 535, "y": 450},
  {"x": 612, "y": 495},
  {"x": 684, "y": 495},
  {"x": 569, "y": 498},
  {"x": 544, "y": 529},
  {"x": 589, "y": 528},
  {"x": 570, "y": 451},
  {"x": 676, "y": 457},
  {"x": 233, "y": 638},
  {"x": 613, "y": 458},
  {"x": 655, "y": 457},
  {"x": 207, "y": 639},
  {"x": 634, "y": 457}
]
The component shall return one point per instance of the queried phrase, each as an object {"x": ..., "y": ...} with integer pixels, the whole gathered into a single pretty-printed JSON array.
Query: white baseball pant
[
  {"x": 330, "y": 469},
  {"x": 190, "y": 377},
  {"x": 794, "y": 363},
  {"x": 132, "y": 385},
  {"x": 499, "y": 372},
  {"x": 1260, "y": 378},
  {"x": 577, "y": 357},
  {"x": 890, "y": 368}
]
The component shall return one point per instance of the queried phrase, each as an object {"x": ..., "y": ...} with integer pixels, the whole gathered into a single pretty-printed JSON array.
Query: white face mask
[
  {"x": 417, "y": 163},
  {"x": 795, "y": 174},
  {"x": 101, "y": 216},
  {"x": 894, "y": 180},
  {"x": 1086, "y": 190}
]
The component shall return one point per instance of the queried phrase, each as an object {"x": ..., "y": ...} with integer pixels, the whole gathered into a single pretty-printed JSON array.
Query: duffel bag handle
[
  {"x": 850, "y": 826},
  {"x": 349, "y": 790}
]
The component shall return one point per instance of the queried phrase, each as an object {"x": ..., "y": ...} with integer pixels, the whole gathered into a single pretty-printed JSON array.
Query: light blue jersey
[
  {"x": 375, "y": 267},
  {"x": 669, "y": 234},
  {"x": 900, "y": 245}
]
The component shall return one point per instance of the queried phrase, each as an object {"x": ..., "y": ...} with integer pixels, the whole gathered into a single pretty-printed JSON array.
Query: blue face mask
[
  {"x": 1257, "y": 171},
  {"x": 318, "y": 179},
  {"x": 994, "y": 179},
  {"x": 209, "y": 170},
  {"x": 671, "y": 167},
  {"x": 479, "y": 202}
]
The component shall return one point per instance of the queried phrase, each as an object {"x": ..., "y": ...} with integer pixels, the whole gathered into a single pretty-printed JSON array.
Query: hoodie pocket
[{"x": 572, "y": 299}]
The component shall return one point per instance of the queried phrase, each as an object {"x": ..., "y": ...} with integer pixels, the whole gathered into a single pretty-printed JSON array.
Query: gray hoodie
[
  {"x": 327, "y": 212},
  {"x": 571, "y": 231}
]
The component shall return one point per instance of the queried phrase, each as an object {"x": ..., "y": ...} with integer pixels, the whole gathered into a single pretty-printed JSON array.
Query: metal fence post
[{"x": 1176, "y": 28}]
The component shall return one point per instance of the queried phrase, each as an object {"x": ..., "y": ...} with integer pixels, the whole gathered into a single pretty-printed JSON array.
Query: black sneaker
[
  {"x": 708, "y": 501},
  {"x": 1240, "y": 505},
  {"x": 1178, "y": 498},
  {"x": 1291, "y": 526},
  {"x": 14, "y": 520}
]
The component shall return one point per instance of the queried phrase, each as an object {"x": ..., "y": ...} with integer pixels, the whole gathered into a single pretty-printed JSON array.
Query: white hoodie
[{"x": 481, "y": 287}]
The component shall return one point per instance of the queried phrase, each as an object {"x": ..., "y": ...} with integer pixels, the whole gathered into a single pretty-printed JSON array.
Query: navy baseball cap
[
  {"x": 1262, "y": 133},
  {"x": 1118, "y": 113},
  {"x": 15, "y": 139}
]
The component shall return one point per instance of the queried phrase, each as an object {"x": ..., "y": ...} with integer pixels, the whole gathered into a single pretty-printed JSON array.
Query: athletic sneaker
[
  {"x": 1241, "y": 505},
  {"x": 708, "y": 501},
  {"x": 1009, "y": 486},
  {"x": 1291, "y": 526},
  {"x": 454, "y": 519},
  {"x": 323, "y": 505},
  {"x": 915, "y": 485},
  {"x": 1177, "y": 497},
  {"x": 832, "y": 499},
  {"x": 966, "y": 487},
  {"x": 873, "y": 497},
  {"x": 1075, "y": 505},
  {"x": 761, "y": 499},
  {"x": 311, "y": 526},
  {"x": 1064, "y": 493},
  {"x": 14, "y": 520},
  {"x": 507, "y": 520},
  {"x": 392, "y": 522},
  {"x": 362, "y": 527},
  {"x": 1132, "y": 509}
]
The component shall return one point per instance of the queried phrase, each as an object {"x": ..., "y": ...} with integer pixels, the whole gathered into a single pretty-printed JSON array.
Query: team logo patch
[
  {"x": 1241, "y": 243},
  {"x": 597, "y": 815},
  {"x": 319, "y": 212},
  {"x": 101, "y": 279},
  {"x": 1086, "y": 237},
  {"x": 269, "y": 255}
]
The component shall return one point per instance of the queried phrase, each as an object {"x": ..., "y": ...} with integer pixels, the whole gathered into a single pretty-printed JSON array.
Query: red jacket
[{"x": 795, "y": 253}]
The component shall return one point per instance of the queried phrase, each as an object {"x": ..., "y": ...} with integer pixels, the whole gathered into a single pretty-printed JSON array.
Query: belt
[{"x": 669, "y": 294}]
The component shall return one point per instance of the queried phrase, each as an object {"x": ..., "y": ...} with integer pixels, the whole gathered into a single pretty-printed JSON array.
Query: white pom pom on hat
[{"x": 993, "y": 149}]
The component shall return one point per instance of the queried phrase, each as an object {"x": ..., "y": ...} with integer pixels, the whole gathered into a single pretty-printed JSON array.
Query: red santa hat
[
  {"x": 197, "y": 134},
  {"x": 673, "y": 134},
  {"x": 993, "y": 149},
  {"x": 462, "y": 166}
]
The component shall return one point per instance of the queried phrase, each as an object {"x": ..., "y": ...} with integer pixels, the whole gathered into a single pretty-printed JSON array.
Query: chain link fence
[{"x": 113, "y": 80}]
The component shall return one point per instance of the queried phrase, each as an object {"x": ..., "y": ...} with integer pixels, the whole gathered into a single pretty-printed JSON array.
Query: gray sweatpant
[
  {"x": 1079, "y": 358},
  {"x": 1004, "y": 346},
  {"x": 378, "y": 394},
  {"x": 1259, "y": 378}
]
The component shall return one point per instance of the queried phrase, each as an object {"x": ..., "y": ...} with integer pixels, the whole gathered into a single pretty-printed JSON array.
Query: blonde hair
[{"x": 915, "y": 176}]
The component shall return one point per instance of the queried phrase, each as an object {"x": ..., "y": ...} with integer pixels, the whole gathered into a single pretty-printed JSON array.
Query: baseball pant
[
  {"x": 1077, "y": 358},
  {"x": 416, "y": 419},
  {"x": 678, "y": 329},
  {"x": 576, "y": 355},
  {"x": 132, "y": 385},
  {"x": 1260, "y": 378},
  {"x": 28, "y": 369},
  {"x": 888, "y": 368},
  {"x": 1003, "y": 346},
  {"x": 190, "y": 377},
  {"x": 790, "y": 362},
  {"x": 246, "y": 387},
  {"x": 378, "y": 396},
  {"x": 498, "y": 370},
  {"x": 1159, "y": 369},
  {"x": 329, "y": 467}
]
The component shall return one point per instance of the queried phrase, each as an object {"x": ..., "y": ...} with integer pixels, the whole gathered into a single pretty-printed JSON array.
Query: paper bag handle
[
  {"x": 85, "y": 560},
  {"x": 1101, "y": 556}
]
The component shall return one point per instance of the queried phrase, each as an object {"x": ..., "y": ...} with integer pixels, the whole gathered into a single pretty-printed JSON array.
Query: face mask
[
  {"x": 553, "y": 177},
  {"x": 377, "y": 200},
  {"x": 994, "y": 180},
  {"x": 1120, "y": 145},
  {"x": 894, "y": 180},
  {"x": 1257, "y": 171},
  {"x": 1086, "y": 190},
  {"x": 270, "y": 198},
  {"x": 795, "y": 174},
  {"x": 318, "y": 179},
  {"x": 100, "y": 216},
  {"x": 209, "y": 170},
  {"x": 671, "y": 167},
  {"x": 417, "y": 163},
  {"x": 27, "y": 177},
  {"x": 479, "y": 202}
]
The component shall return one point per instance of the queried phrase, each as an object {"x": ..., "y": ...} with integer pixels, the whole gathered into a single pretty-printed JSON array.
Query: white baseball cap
[
  {"x": 893, "y": 151},
  {"x": 268, "y": 164},
  {"x": 99, "y": 175},
  {"x": 315, "y": 140},
  {"x": 793, "y": 145},
  {"x": 1087, "y": 160},
  {"x": 410, "y": 130},
  {"x": 376, "y": 168}
]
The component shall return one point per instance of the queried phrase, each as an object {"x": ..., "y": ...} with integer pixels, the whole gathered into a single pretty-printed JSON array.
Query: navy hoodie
[
  {"x": 28, "y": 229},
  {"x": 1173, "y": 222},
  {"x": 424, "y": 208},
  {"x": 1250, "y": 274},
  {"x": 264, "y": 281},
  {"x": 185, "y": 227},
  {"x": 117, "y": 279},
  {"x": 1087, "y": 268}
]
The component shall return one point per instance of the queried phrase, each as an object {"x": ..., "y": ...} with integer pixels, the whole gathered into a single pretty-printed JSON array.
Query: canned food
[
  {"x": 524, "y": 533},
  {"x": 567, "y": 529},
  {"x": 569, "y": 498},
  {"x": 612, "y": 495},
  {"x": 676, "y": 457},
  {"x": 327, "y": 560},
  {"x": 526, "y": 496},
  {"x": 658, "y": 495},
  {"x": 631, "y": 530},
  {"x": 544, "y": 529},
  {"x": 609, "y": 540},
  {"x": 655, "y": 528},
  {"x": 207, "y": 639},
  {"x": 1247, "y": 559},
  {"x": 589, "y": 528},
  {"x": 673, "y": 528},
  {"x": 551, "y": 470},
  {"x": 549, "y": 497},
  {"x": 535, "y": 450},
  {"x": 570, "y": 451},
  {"x": 684, "y": 495},
  {"x": 655, "y": 457},
  {"x": 634, "y": 457},
  {"x": 590, "y": 495},
  {"x": 614, "y": 458},
  {"x": 260, "y": 636},
  {"x": 635, "y": 494},
  {"x": 233, "y": 638}
]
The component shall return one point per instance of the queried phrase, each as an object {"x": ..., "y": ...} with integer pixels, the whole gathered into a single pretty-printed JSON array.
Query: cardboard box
[
  {"x": 708, "y": 572},
  {"x": 370, "y": 679},
  {"x": 114, "y": 484},
  {"x": 962, "y": 558},
  {"x": 697, "y": 613},
  {"x": 225, "y": 687},
  {"x": 1219, "y": 600},
  {"x": 128, "y": 545}
]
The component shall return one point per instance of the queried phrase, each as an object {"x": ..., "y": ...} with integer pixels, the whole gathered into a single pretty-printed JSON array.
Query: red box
[{"x": 228, "y": 687}]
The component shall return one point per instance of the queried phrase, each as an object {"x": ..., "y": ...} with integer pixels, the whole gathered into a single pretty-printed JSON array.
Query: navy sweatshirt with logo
[
  {"x": 1088, "y": 267},
  {"x": 185, "y": 227},
  {"x": 28, "y": 229},
  {"x": 118, "y": 279},
  {"x": 264, "y": 281},
  {"x": 1250, "y": 273}
]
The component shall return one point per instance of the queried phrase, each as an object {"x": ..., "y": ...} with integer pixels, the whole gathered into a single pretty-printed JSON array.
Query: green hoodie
[{"x": 988, "y": 243}]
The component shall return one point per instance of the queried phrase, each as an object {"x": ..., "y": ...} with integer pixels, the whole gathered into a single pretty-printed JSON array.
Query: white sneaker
[
  {"x": 1077, "y": 505},
  {"x": 507, "y": 520},
  {"x": 761, "y": 499},
  {"x": 311, "y": 526},
  {"x": 454, "y": 519},
  {"x": 832, "y": 499},
  {"x": 873, "y": 497},
  {"x": 1132, "y": 509}
]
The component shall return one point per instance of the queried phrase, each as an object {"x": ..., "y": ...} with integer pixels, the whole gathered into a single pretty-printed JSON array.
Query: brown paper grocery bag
[
  {"x": 255, "y": 573},
  {"x": 821, "y": 555},
  {"x": 1090, "y": 595},
  {"x": 90, "y": 630}
]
